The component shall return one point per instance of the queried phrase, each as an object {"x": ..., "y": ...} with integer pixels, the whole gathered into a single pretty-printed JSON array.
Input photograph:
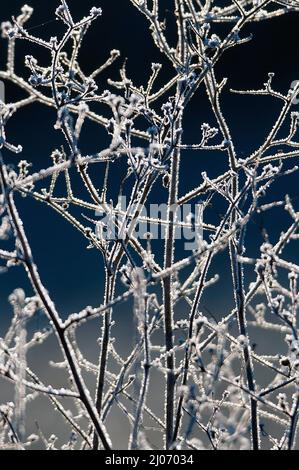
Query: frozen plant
[{"x": 205, "y": 368}]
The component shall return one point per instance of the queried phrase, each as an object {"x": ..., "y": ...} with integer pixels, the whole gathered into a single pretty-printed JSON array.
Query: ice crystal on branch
[{"x": 219, "y": 390}]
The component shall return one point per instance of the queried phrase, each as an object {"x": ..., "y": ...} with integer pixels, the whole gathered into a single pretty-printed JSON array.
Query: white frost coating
[{"x": 208, "y": 394}]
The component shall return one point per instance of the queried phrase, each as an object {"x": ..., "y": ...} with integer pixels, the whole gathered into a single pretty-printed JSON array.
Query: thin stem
[{"x": 49, "y": 306}]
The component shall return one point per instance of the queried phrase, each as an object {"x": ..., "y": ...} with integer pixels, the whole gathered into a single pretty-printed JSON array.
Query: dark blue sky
[{"x": 73, "y": 274}]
